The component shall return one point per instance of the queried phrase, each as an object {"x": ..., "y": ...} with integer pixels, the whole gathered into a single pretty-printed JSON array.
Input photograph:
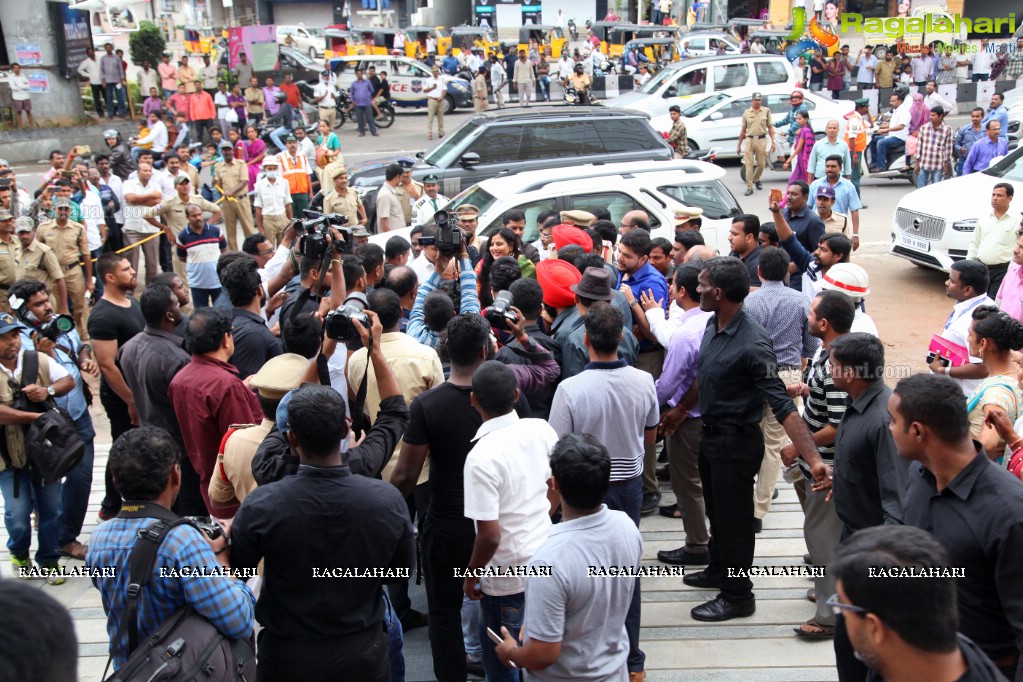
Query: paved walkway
[{"x": 757, "y": 649}]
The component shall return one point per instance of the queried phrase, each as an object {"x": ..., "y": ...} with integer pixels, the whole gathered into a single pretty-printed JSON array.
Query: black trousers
[
  {"x": 120, "y": 422},
  {"x": 728, "y": 467},
  {"x": 361, "y": 656},
  {"x": 98, "y": 99},
  {"x": 447, "y": 545},
  {"x": 190, "y": 501},
  {"x": 418, "y": 504},
  {"x": 996, "y": 273},
  {"x": 166, "y": 262}
]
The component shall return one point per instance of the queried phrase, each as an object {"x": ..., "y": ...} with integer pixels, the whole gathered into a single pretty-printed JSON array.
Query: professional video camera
[
  {"x": 499, "y": 314},
  {"x": 338, "y": 324},
  {"x": 314, "y": 234},
  {"x": 449, "y": 237},
  {"x": 211, "y": 529}
]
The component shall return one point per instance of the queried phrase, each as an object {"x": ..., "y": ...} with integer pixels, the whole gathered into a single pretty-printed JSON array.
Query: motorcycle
[
  {"x": 344, "y": 106},
  {"x": 572, "y": 30},
  {"x": 572, "y": 97},
  {"x": 900, "y": 166}
]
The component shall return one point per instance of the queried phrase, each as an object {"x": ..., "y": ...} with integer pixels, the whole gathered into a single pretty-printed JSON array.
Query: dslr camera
[
  {"x": 58, "y": 325},
  {"x": 210, "y": 529},
  {"x": 449, "y": 236},
  {"x": 499, "y": 314},
  {"x": 315, "y": 238},
  {"x": 338, "y": 324}
]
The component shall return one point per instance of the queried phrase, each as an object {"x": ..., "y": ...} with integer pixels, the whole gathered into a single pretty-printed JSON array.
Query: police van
[{"x": 406, "y": 76}]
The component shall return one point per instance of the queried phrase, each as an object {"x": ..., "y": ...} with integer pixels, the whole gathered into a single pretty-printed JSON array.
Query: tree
[{"x": 147, "y": 43}]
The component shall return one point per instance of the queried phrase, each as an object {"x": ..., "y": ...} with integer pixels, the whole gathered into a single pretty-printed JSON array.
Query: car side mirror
[
  {"x": 995, "y": 161},
  {"x": 470, "y": 159},
  {"x": 670, "y": 92},
  {"x": 419, "y": 155},
  {"x": 716, "y": 116}
]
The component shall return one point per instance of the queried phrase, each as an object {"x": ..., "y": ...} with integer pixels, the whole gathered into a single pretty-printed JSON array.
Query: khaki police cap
[
  {"x": 467, "y": 211},
  {"x": 280, "y": 375},
  {"x": 577, "y": 218},
  {"x": 684, "y": 214}
]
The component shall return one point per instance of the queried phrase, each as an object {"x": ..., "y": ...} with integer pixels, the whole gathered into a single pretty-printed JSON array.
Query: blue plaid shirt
[
  {"x": 226, "y": 602},
  {"x": 469, "y": 303}
]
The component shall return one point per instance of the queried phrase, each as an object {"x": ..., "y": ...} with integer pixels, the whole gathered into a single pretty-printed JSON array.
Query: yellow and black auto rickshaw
[
  {"x": 465, "y": 38},
  {"x": 200, "y": 41},
  {"x": 602, "y": 30},
  {"x": 623, "y": 34},
  {"x": 551, "y": 38},
  {"x": 339, "y": 42},
  {"x": 375, "y": 40},
  {"x": 416, "y": 37}
]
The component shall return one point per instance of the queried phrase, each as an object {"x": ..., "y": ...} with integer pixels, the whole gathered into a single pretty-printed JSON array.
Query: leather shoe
[
  {"x": 702, "y": 579},
  {"x": 650, "y": 502},
  {"x": 719, "y": 609},
  {"x": 758, "y": 525},
  {"x": 474, "y": 668},
  {"x": 414, "y": 619},
  {"x": 680, "y": 557},
  {"x": 760, "y": 185},
  {"x": 662, "y": 473},
  {"x": 748, "y": 193}
]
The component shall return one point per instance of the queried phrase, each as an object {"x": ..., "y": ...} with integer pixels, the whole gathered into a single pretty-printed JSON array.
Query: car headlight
[{"x": 968, "y": 225}]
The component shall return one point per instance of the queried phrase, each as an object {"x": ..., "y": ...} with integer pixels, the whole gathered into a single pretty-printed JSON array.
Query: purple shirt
[
  {"x": 271, "y": 104},
  {"x": 1010, "y": 294},
  {"x": 680, "y": 361},
  {"x": 152, "y": 104},
  {"x": 362, "y": 93}
]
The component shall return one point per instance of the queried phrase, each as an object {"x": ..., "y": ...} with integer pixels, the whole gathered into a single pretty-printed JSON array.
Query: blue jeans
[
  {"x": 395, "y": 641},
  {"x": 75, "y": 489},
  {"x": 978, "y": 77},
  {"x": 203, "y": 298},
  {"x": 110, "y": 91},
  {"x": 545, "y": 87},
  {"x": 471, "y": 628},
  {"x": 364, "y": 115},
  {"x": 928, "y": 177},
  {"x": 276, "y": 137},
  {"x": 18, "y": 515},
  {"x": 628, "y": 497},
  {"x": 497, "y": 612}
]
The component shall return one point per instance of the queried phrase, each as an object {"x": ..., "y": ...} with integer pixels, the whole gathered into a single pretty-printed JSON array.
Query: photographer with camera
[
  {"x": 440, "y": 244},
  {"x": 56, "y": 336},
  {"x": 527, "y": 294},
  {"x": 254, "y": 344}
]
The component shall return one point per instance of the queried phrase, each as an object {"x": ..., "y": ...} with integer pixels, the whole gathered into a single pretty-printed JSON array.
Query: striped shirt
[
  {"x": 200, "y": 253},
  {"x": 225, "y": 601},
  {"x": 614, "y": 403},
  {"x": 784, "y": 313},
  {"x": 824, "y": 405}
]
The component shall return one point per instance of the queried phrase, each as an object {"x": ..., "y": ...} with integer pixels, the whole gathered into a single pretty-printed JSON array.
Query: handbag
[
  {"x": 232, "y": 116},
  {"x": 52, "y": 443},
  {"x": 322, "y": 158}
]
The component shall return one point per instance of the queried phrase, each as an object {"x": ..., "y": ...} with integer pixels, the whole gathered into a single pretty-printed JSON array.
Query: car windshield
[
  {"x": 654, "y": 84},
  {"x": 717, "y": 203},
  {"x": 475, "y": 195},
  {"x": 317, "y": 32},
  {"x": 1009, "y": 168},
  {"x": 301, "y": 57},
  {"x": 436, "y": 155},
  {"x": 703, "y": 105}
]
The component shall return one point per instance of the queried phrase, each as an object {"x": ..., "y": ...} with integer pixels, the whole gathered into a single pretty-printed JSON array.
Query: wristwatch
[{"x": 50, "y": 392}]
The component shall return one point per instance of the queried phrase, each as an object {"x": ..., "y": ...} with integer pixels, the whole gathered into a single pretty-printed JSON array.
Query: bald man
[
  {"x": 704, "y": 253},
  {"x": 632, "y": 220},
  {"x": 828, "y": 145}
]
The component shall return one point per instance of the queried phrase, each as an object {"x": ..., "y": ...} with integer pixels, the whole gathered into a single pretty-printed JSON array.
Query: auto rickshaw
[
  {"x": 465, "y": 38},
  {"x": 602, "y": 30},
  {"x": 375, "y": 40},
  {"x": 200, "y": 41},
  {"x": 339, "y": 42},
  {"x": 415, "y": 40},
  {"x": 659, "y": 51},
  {"x": 550, "y": 37},
  {"x": 772, "y": 40}
]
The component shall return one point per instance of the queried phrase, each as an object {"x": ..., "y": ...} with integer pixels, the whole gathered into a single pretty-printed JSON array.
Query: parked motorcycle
[
  {"x": 344, "y": 106},
  {"x": 572, "y": 30}
]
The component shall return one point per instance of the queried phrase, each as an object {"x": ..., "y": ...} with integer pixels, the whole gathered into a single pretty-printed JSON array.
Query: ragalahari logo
[{"x": 810, "y": 36}]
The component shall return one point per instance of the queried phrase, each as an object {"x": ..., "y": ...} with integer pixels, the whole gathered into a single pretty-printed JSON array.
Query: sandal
[
  {"x": 671, "y": 511},
  {"x": 822, "y": 631}
]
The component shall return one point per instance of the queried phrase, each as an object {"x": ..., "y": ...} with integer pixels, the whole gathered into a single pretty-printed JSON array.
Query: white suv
[
  {"x": 933, "y": 226},
  {"x": 310, "y": 41},
  {"x": 657, "y": 187}
]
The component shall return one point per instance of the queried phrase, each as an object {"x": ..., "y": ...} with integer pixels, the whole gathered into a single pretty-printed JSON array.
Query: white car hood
[
  {"x": 968, "y": 196},
  {"x": 624, "y": 101}
]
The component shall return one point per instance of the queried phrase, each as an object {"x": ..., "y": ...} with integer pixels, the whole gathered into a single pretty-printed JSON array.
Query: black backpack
[
  {"x": 186, "y": 646},
  {"x": 51, "y": 441}
]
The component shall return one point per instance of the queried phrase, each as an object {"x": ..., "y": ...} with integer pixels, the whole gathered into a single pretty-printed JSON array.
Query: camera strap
[{"x": 360, "y": 422}]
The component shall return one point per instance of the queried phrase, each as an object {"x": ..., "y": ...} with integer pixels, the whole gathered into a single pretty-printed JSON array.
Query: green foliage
[{"x": 147, "y": 43}]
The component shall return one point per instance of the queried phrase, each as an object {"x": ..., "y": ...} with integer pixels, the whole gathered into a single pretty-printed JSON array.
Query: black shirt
[
  {"x": 254, "y": 344},
  {"x": 869, "y": 475},
  {"x": 148, "y": 362},
  {"x": 979, "y": 667},
  {"x": 978, "y": 518},
  {"x": 309, "y": 304},
  {"x": 325, "y": 518},
  {"x": 111, "y": 322},
  {"x": 738, "y": 371},
  {"x": 752, "y": 263},
  {"x": 444, "y": 420},
  {"x": 808, "y": 228},
  {"x": 539, "y": 401}
]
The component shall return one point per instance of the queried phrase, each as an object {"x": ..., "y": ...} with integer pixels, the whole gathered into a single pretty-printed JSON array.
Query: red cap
[
  {"x": 557, "y": 277},
  {"x": 566, "y": 234}
]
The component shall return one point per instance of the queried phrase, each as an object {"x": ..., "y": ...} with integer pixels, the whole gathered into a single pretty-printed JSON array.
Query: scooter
[
  {"x": 572, "y": 97},
  {"x": 572, "y": 30},
  {"x": 900, "y": 166}
]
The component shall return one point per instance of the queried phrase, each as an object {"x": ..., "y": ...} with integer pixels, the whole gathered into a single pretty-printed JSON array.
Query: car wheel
[
  {"x": 312, "y": 53},
  {"x": 386, "y": 119},
  {"x": 449, "y": 104}
]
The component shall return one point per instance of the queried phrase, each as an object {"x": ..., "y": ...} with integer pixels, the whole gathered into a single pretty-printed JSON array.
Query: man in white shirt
[
  {"x": 157, "y": 136},
  {"x": 431, "y": 201},
  {"x": 89, "y": 70},
  {"x": 865, "y": 66},
  {"x": 894, "y": 135},
  {"x": 323, "y": 95},
  {"x": 436, "y": 89},
  {"x": 525, "y": 79},
  {"x": 473, "y": 62},
  {"x": 272, "y": 201},
  {"x": 208, "y": 75},
  {"x": 508, "y": 495},
  {"x": 142, "y": 197},
  {"x": 982, "y": 61},
  {"x": 307, "y": 148},
  {"x": 641, "y": 77},
  {"x": 967, "y": 285},
  {"x": 20, "y": 99},
  {"x": 498, "y": 77},
  {"x": 933, "y": 99},
  {"x": 147, "y": 77}
]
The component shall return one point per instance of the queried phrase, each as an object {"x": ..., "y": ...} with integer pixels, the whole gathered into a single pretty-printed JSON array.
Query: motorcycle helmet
[
  {"x": 112, "y": 134},
  {"x": 280, "y": 97},
  {"x": 579, "y": 68}
]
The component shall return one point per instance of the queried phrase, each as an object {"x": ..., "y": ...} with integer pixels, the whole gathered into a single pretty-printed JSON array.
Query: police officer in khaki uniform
[
  {"x": 172, "y": 211},
  {"x": 38, "y": 261},
  {"x": 10, "y": 254},
  {"x": 756, "y": 127},
  {"x": 408, "y": 190},
  {"x": 344, "y": 200},
  {"x": 70, "y": 242},
  {"x": 233, "y": 178},
  {"x": 579, "y": 218}
]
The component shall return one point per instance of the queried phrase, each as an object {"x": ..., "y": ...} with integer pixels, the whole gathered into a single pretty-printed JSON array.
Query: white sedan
[{"x": 714, "y": 120}]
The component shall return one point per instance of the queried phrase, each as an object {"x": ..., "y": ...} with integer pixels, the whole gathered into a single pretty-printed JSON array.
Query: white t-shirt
[
  {"x": 223, "y": 109},
  {"x": 134, "y": 214},
  {"x": 982, "y": 62},
  {"x": 505, "y": 480},
  {"x": 92, "y": 216},
  {"x": 19, "y": 87}
]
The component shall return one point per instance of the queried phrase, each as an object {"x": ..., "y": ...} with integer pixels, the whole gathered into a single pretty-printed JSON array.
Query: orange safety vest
[
  {"x": 297, "y": 174},
  {"x": 858, "y": 129}
]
